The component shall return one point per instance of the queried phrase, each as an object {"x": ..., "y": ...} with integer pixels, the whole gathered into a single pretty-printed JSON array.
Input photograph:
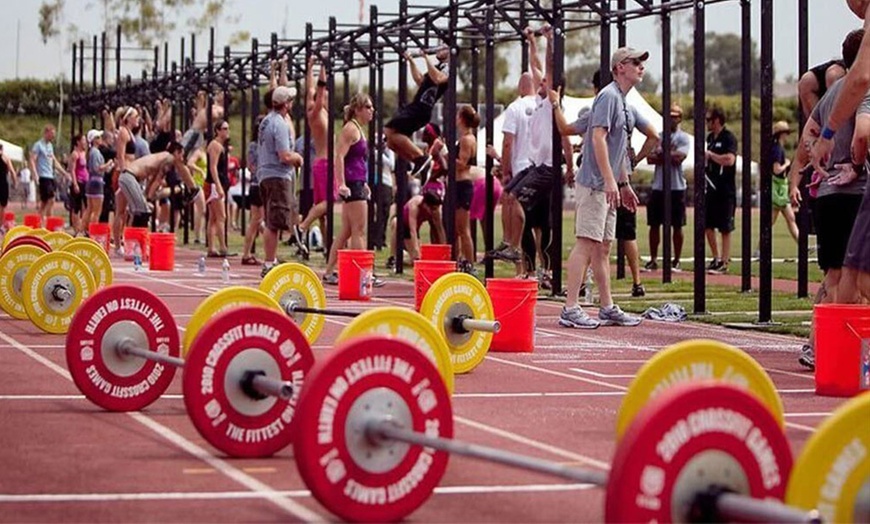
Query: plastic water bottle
[
  {"x": 589, "y": 291},
  {"x": 225, "y": 271},
  {"x": 200, "y": 265},
  {"x": 137, "y": 257}
]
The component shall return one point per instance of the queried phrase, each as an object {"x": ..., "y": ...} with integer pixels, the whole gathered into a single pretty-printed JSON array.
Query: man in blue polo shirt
[{"x": 42, "y": 165}]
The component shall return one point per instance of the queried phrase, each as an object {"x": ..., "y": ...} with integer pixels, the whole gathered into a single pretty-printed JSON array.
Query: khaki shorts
[
  {"x": 279, "y": 203},
  {"x": 594, "y": 219}
]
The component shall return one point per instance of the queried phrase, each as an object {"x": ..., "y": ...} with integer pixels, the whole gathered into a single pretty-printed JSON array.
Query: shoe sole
[
  {"x": 618, "y": 323},
  {"x": 807, "y": 364},
  {"x": 569, "y": 324}
]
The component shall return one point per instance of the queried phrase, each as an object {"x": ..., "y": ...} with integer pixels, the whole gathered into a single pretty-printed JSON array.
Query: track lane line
[{"x": 192, "y": 449}]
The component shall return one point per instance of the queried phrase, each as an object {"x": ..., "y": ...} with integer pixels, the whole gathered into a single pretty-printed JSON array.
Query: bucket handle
[
  {"x": 857, "y": 331},
  {"x": 511, "y": 312}
]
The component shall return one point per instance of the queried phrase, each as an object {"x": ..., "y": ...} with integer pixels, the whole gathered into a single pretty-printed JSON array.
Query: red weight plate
[
  {"x": 238, "y": 340},
  {"x": 353, "y": 476},
  {"x": 689, "y": 438},
  {"x": 28, "y": 240},
  {"x": 112, "y": 381}
]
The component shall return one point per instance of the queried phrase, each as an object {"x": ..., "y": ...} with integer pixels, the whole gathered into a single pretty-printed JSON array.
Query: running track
[{"x": 63, "y": 459}]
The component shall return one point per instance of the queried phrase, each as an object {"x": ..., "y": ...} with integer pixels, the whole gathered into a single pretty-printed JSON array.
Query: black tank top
[
  {"x": 819, "y": 72},
  {"x": 223, "y": 175},
  {"x": 430, "y": 92},
  {"x": 4, "y": 172},
  {"x": 471, "y": 161}
]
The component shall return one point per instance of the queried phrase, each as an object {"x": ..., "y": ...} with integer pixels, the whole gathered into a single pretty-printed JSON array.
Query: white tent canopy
[
  {"x": 572, "y": 107},
  {"x": 16, "y": 153}
]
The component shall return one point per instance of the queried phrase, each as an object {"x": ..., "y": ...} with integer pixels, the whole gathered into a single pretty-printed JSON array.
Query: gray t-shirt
[
  {"x": 43, "y": 152},
  {"x": 680, "y": 143},
  {"x": 842, "y": 141},
  {"x": 609, "y": 111},
  {"x": 274, "y": 138},
  {"x": 95, "y": 162}
]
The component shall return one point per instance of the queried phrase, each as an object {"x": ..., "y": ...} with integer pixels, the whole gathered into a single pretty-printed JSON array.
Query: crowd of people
[{"x": 135, "y": 167}]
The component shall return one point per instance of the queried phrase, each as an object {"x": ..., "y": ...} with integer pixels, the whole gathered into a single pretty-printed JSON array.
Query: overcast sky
[{"x": 830, "y": 20}]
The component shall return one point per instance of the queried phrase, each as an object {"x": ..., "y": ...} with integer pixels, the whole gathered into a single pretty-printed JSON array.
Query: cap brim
[{"x": 641, "y": 56}]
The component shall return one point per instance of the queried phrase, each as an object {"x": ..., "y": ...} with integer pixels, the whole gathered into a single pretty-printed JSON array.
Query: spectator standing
[
  {"x": 7, "y": 175},
  {"x": 721, "y": 199},
  {"x": 42, "y": 166}
]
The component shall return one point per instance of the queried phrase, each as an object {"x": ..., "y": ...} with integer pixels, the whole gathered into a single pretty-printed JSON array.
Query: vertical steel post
[
  {"x": 803, "y": 213},
  {"x": 449, "y": 126},
  {"x": 746, "y": 146},
  {"x": 401, "y": 171},
  {"x": 330, "y": 133},
  {"x": 489, "y": 95},
  {"x": 667, "y": 166},
  {"x": 765, "y": 287},
  {"x": 700, "y": 302}
]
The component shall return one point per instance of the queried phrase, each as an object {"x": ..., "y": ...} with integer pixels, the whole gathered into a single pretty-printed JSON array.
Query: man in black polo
[{"x": 721, "y": 199}]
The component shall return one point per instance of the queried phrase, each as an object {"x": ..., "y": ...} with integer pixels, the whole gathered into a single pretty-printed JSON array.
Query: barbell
[
  {"x": 47, "y": 285},
  {"x": 241, "y": 378},
  {"x": 376, "y": 427},
  {"x": 457, "y": 304}
]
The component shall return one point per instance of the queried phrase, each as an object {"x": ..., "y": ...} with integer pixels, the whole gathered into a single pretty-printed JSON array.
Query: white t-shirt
[
  {"x": 541, "y": 133},
  {"x": 24, "y": 175},
  {"x": 517, "y": 118}
]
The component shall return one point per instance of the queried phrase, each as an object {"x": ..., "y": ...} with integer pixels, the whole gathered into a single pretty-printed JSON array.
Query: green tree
[
  {"x": 147, "y": 22},
  {"x": 722, "y": 64}
]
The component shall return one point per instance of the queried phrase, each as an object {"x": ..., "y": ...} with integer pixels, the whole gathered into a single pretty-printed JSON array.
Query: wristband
[
  {"x": 827, "y": 133},
  {"x": 621, "y": 185},
  {"x": 859, "y": 169},
  {"x": 321, "y": 83}
]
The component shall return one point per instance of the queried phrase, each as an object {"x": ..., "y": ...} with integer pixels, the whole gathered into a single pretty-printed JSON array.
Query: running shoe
[
  {"x": 575, "y": 317},
  {"x": 637, "y": 290},
  {"x": 652, "y": 265},
  {"x": 330, "y": 279},
  {"x": 808, "y": 357},
  {"x": 614, "y": 316}
]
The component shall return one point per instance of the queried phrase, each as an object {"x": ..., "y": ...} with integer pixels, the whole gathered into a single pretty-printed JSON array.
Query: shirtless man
[
  {"x": 151, "y": 170},
  {"x": 318, "y": 118},
  {"x": 194, "y": 138}
]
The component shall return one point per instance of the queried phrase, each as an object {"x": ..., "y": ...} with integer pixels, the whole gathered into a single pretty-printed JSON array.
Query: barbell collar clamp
[
  {"x": 61, "y": 293},
  {"x": 734, "y": 507}
]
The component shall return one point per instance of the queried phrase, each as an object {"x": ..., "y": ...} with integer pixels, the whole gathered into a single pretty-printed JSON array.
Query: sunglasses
[{"x": 633, "y": 61}]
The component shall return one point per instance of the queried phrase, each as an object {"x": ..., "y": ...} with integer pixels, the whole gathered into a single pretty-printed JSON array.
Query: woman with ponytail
[
  {"x": 351, "y": 153},
  {"x": 467, "y": 121}
]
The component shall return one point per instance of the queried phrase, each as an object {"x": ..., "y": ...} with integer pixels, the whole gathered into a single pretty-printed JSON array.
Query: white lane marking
[
  {"x": 801, "y": 427},
  {"x": 35, "y": 346},
  {"x": 235, "y": 495},
  {"x": 198, "y": 452},
  {"x": 600, "y": 375},
  {"x": 805, "y": 376},
  {"x": 556, "y": 373},
  {"x": 809, "y": 414},
  {"x": 559, "y": 452}
]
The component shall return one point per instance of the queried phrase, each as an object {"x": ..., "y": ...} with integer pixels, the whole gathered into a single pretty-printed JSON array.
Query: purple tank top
[{"x": 355, "y": 161}]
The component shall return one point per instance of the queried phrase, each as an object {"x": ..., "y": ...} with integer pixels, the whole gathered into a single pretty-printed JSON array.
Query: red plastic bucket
[
  {"x": 133, "y": 237},
  {"x": 514, "y": 301},
  {"x": 425, "y": 273},
  {"x": 162, "y": 251},
  {"x": 8, "y": 220},
  {"x": 355, "y": 273},
  {"x": 842, "y": 349},
  {"x": 54, "y": 223},
  {"x": 33, "y": 221},
  {"x": 100, "y": 233},
  {"x": 435, "y": 252}
]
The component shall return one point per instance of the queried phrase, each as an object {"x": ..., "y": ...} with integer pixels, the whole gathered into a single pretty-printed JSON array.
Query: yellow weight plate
[
  {"x": 13, "y": 268},
  {"x": 832, "y": 473},
  {"x": 15, "y": 232},
  {"x": 409, "y": 326},
  {"x": 224, "y": 299},
  {"x": 457, "y": 294},
  {"x": 54, "y": 287},
  {"x": 295, "y": 284},
  {"x": 40, "y": 232},
  {"x": 693, "y": 360},
  {"x": 94, "y": 256},
  {"x": 57, "y": 239}
]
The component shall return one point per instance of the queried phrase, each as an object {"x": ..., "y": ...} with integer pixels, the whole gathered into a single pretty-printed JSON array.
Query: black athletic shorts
[
  {"x": 252, "y": 200},
  {"x": 407, "y": 121},
  {"x": 626, "y": 224},
  {"x": 834, "y": 216},
  {"x": 655, "y": 209},
  {"x": 4, "y": 192},
  {"x": 464, "y": 194},
  {"x": 357, "y": 191},
  {"x": 534, "y": 187},
  {"x": 516, "y": 179},
  {"x": 47, "y": 189},
  {"x": 78, "y": 201},
  {"x": 720, "y": 211}
]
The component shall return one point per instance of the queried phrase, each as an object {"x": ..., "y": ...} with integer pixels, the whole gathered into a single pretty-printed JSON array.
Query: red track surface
[{"x": 64, "y": 459}]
